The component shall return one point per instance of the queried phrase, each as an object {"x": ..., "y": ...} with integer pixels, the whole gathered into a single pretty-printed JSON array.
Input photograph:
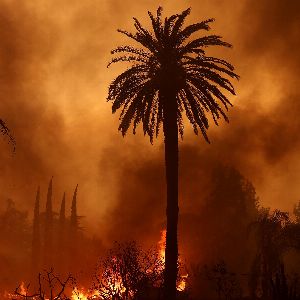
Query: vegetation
[
  {"x": 171, "y": 74},
  {"x": 245, "y": 249},
  {"x": 4, "y": 130},
  {"x": 128, "y": 272},
  {"x": 242, "y": 249}
]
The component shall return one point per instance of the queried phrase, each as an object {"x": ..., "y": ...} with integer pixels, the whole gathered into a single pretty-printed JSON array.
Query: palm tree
[{"x": 170, "y": 74}]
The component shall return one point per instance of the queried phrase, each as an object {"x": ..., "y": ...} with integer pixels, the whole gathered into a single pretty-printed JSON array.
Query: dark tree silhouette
[
  {"x": 74, "y": 217},
  {"x": 50, "y": 287},
  {"x": 170, "y": 74},
  {"x": 15, "y": 241},
  {"x": 297, "y": 212},
  {"x": 62, "y": 215},
  {"x": 36, "y": 241},
  {"x": 272, "y": 242},
  {"x": 6, "y": 132},
  {"x": 48, "y": 237},
  {"x": 73, "y": 235},
  {"x": 61, "y": 242}
]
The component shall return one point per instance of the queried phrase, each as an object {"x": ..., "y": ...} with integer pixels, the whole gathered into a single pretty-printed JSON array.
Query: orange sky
[{"x": 54, "y": 81}]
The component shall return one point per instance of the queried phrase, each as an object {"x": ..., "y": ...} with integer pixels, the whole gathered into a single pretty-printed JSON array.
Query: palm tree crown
[{"x": 169, "y": 59}]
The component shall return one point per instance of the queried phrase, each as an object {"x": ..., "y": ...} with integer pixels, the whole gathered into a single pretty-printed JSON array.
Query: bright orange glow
[
  {"x": 161, "y": 249},
  {"x": 181, "y": 286},
  {"x": 82, "y": 295},
  {"x": 22, "y": 290},
  {"x": 113, "y": 282},
  {"x": 162, "y": 244}
]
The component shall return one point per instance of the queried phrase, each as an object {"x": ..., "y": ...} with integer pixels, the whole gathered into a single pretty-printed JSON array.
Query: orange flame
[
  {"x": 82, "y": 295},
  {"x": 22, "y": 291},
  {"x": 115, "y": 283},
  {"x": 181, "y": 286}
]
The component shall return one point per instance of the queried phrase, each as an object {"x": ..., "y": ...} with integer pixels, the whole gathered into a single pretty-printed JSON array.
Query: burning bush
[
  {"x": 128, "y": 272},
  {"x": 50, "y": 287}
]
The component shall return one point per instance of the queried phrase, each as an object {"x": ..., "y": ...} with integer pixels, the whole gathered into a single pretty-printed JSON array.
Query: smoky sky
[{"x": 53, "y": 86}]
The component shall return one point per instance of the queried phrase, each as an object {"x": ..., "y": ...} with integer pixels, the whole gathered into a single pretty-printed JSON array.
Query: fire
[
  {"x": 162, "y": 245},
  {"x": 181, "y": 286},
  {"x": 81, "y": 295},
  {"x": 113, "y": 283},
  {"x": 22, "y": 290},
  {"x": 112, "y": 287}
]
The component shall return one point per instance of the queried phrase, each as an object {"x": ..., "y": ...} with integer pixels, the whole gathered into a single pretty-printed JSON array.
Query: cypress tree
[
  {"x": 48, "y": 242},
  {"x": 62, "y": 213},
  {"x": 61, "y": 242},
  {"x": 36, "y": 242},
  {"x": 73, "y": 231},
  {"x": 74, "y": 217}
]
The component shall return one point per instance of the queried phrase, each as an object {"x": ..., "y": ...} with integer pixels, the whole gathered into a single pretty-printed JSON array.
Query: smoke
[{"x": 53, "y": 86}]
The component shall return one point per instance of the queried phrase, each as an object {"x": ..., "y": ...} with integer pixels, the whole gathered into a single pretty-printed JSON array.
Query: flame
[
  {"x": 114, "y": 282},
  {"x": 181, "y": 286},
  {"x": 21, "y": 289},
  {"x": 82, "y": 295},
  {"x": 162, "y": 245}
]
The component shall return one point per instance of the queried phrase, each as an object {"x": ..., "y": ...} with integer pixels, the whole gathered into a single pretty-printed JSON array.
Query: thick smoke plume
[{"x": 53, "y": 85}]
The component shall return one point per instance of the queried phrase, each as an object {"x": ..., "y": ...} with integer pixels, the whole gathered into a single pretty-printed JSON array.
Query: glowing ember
[
  {"x": 162, "y": 245},
  {"x": 113, "y": 282},
  {"x": 22, "y": 290},
  {"x": 182, "y": 284},
  {"x": 81, "y": 295}
]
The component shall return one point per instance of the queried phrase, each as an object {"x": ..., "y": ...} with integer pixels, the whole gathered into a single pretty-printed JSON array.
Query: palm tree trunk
[{"x": 171, "y": 161}]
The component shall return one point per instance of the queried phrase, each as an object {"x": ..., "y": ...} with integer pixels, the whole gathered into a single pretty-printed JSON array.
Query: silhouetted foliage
[
  {"x": 62, "y": 212},
  {"x": 297, "y": 212},
  {"x": 271, "y": 244},
  {"x": 74, "y": 218},
  {"x": 15, "y": 239},
  {"x": 283, "y": 288},
  {"x": 61, "y": 236},
  {"x": 14, "y": 226},
  {"x": 128, "y": 272},
  {"x": 48, "y": 233},
  {"x": 170, "y": 58},
  {"x": 36, "y": 239},
  {"x": 213, "y": 280},
  {"x": 225, "y": 283},
  {"x": 170, "y": 74},
  {"x": 4, "y": 130},
  {"x": 223, "y": 220},
  {"x": 50, "y": 287}
]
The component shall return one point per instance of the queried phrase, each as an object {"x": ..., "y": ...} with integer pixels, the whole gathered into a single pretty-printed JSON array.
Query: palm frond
[
  {"x": 132, "y": 50},
  {"x": 210, "y": 40},
  {"x": 189, "y": 30},
  {"x": 179, "y": 22}
]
